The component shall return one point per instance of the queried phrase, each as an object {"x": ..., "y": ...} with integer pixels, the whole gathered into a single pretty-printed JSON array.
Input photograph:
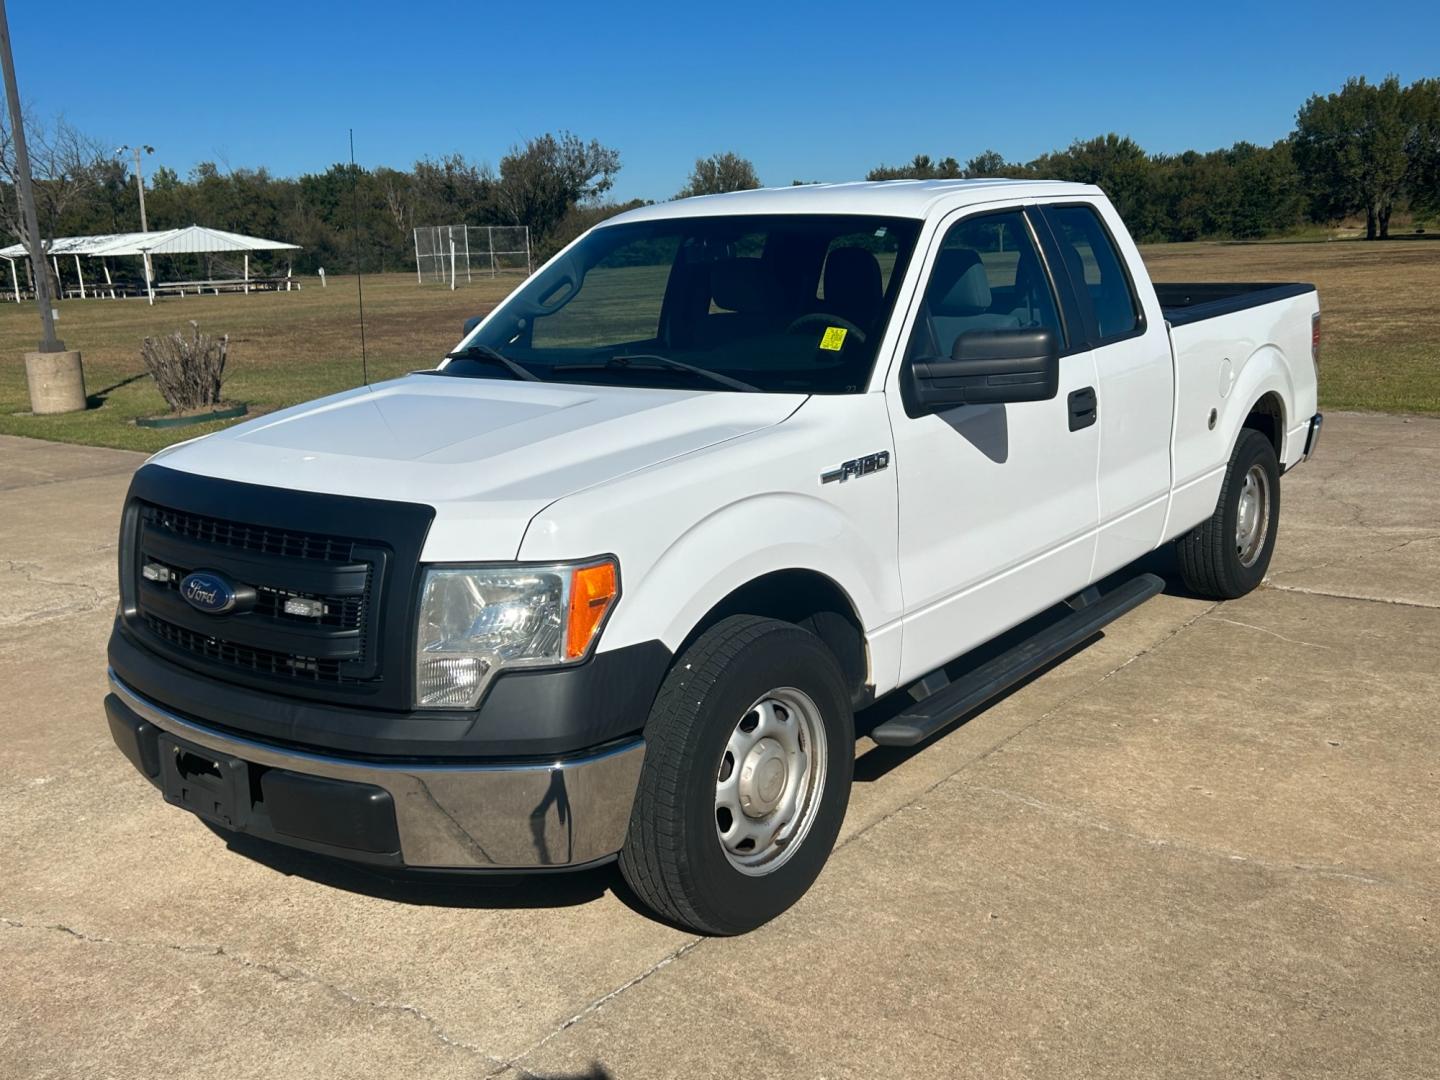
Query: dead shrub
[{"x": 188, "y": 370}]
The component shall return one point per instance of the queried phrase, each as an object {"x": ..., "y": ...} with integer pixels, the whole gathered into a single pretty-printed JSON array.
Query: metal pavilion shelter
[{"x": 190, "y": 240}]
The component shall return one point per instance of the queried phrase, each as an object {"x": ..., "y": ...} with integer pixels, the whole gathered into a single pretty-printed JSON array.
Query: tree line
[{"x": 1367, "y": 150}]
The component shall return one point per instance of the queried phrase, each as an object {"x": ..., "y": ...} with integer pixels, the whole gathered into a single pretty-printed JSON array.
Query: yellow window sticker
[{"x": 833, "y": 339}]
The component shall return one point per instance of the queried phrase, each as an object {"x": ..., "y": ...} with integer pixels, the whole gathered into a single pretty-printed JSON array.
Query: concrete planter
[{"x": 57, "y": 382}]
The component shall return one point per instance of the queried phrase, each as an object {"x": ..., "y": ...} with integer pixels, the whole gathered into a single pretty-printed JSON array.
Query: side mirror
[
  {"x": 470, "y": 324},
  {"x": 989, "y": 367}
]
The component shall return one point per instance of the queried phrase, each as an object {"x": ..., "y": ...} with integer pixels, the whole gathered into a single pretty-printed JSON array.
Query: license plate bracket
[{"x": 213, "y": 785}]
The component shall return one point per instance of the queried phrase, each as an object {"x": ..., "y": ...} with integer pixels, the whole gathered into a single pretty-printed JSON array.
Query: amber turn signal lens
[{"x": 592, "y": 591}]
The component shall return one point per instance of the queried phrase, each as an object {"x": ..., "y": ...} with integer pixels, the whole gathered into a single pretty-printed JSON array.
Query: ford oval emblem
[{"x": 207, "y": 591}]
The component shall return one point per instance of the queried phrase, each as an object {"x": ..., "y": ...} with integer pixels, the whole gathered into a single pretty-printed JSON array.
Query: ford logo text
[{"x": 207, "y": 591}]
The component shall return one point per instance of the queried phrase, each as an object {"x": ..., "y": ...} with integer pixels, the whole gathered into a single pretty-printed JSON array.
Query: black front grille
[
  {"x": 340, "y": 612},
  {"x": 261, "y": 638},
  {"x": 259, "y": 661},
  {"x": 256, "y": 538},
  {"x": 356, "y": 558}
]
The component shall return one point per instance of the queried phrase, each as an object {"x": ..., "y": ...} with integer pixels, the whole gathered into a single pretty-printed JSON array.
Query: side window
[
  {"x": 1095, "y": 268},
  {"x": 987, "y": 276},
  {"x": 619, "y": 299}
]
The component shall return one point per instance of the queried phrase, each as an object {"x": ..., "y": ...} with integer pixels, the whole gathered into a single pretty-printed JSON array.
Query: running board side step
[{"x": 994, "y": 677}]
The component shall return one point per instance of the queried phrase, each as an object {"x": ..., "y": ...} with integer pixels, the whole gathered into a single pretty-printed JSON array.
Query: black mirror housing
[
  {"x": 989, "y": 367},
  {"x": 470, "y": 324}
]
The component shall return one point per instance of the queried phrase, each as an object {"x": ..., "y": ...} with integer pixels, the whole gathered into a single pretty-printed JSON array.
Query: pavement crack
[
  {"x": 1351, "y": 596},
  {"x": 598, "y": 1004},
  {"x": 30, "y": 572},
  {"x": 1272, "y": 633},
  {"x": 1220, "y": 854},
  {"x": 1350, "y": 558},
  {"x": 275, "y": 971}
]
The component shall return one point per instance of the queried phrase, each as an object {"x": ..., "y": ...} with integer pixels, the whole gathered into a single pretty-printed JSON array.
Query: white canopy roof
[
  {"x": 187, "y": 241},
  {"x": 75, "y": 245}
]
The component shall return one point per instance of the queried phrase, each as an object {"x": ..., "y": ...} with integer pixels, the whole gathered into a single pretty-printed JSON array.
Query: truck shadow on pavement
[
  {"x": 424, "y": 888},
  {"x": 427, "y": 888},
  {"x": 878, "y": 761}
]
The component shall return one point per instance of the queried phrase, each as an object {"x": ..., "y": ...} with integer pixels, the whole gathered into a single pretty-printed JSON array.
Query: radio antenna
[{"x": 359, "y": 282}]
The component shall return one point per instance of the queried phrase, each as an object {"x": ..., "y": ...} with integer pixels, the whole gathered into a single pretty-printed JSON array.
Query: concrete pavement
[{"x": 1206, "y": 845}]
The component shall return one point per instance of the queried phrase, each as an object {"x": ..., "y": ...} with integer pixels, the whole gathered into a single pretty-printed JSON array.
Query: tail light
[{"x": 1315, "y": 340}]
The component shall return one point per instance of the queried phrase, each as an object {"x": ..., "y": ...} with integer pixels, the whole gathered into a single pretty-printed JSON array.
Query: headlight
[{"x": 476, "y": 620}]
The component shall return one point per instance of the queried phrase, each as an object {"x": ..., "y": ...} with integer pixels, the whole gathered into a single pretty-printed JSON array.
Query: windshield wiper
[
  {"x": 661, "y": 361},
  {"x": 485, "y": 352}
]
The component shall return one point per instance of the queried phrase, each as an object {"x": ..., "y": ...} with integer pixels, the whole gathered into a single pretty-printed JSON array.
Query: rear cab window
[{"x": 1097, "y": 273}]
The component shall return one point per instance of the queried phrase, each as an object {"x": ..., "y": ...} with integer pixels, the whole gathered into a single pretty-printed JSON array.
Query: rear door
[
  {"x": 1135, "y": 389},
  {"x": 998, "y": 504}
]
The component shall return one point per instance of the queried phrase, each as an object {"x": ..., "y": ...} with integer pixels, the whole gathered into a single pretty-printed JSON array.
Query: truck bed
[{"x": 1188, "y": 302}]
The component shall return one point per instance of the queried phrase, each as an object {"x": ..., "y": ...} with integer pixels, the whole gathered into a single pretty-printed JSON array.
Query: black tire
[
  {"x": 673, "y": 857},
  {"x": 1209, "y": 555}
]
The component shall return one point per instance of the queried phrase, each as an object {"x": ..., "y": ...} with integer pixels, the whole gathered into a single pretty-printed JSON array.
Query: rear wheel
[
  {"x": 1228, "y": 555},
  {"x": 748, "y": 759}
]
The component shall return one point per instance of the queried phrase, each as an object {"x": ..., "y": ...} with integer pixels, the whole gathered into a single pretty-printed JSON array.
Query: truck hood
[{"x": 487, "y": 454}]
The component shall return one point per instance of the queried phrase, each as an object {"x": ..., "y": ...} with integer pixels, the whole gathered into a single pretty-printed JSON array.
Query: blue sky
[{"x": 820, "y": 92}]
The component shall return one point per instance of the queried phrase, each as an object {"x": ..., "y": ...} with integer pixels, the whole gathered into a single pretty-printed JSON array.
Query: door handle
[{"x": 1083, "y": 407}]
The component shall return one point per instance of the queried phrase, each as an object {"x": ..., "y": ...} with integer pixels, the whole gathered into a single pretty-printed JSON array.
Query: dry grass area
[
  {"x": 1381, "y": 347},
  {"x": 284, "y": 348},
  {"x": 1380, "y": 305}
]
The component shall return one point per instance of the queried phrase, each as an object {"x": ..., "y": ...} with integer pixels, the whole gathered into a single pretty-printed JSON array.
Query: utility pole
[
  {"x": 49, "y": 343},
  {"x": 139, "y": 176},
  {"x": 54, "y": 373},
  {"x": 140, "y": 186}
]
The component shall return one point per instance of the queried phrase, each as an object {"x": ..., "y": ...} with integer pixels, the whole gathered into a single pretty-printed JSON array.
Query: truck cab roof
[{"x": 892, "y": 198}]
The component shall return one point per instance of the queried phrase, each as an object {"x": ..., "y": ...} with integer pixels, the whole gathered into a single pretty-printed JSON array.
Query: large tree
[
  {"x": 1350, "y": 149},
  {"x": 1422, "y": 147},
  {"x": 719, "y": 173},
  {"x": 543, "y": 181},
  {"x": 1117, "y": 164}
]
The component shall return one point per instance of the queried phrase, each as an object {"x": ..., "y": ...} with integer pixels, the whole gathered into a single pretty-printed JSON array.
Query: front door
[{"x": 998, "y": 503}]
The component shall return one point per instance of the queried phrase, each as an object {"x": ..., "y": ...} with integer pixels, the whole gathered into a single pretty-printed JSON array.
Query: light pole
[
  {"x": 54, "y": 374},
  {"x": 49, "y": 343},
  {"x": 139, "y": 176},
  {"x": 140, "y": 186}
]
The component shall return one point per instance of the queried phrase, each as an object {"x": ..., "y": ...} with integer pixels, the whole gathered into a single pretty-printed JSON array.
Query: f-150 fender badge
[{"x": 861, "y": 466}]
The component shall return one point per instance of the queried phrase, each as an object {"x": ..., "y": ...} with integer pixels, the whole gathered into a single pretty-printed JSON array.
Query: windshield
[{"x": 779, "y": 303}]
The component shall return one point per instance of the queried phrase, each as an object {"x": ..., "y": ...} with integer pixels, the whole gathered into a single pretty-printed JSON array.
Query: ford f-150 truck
[{"x": 614, "y": 579}]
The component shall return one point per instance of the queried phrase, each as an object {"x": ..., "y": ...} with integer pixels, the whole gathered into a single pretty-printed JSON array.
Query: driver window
[{"x": 987, "y": 275}]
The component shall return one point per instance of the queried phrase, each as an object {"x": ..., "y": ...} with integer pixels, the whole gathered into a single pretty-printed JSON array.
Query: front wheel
[
  {"x": 1227, "y": 556},
  {"x": 750, "y": 747}
]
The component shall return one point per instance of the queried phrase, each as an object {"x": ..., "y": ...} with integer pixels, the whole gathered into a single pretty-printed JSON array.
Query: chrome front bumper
[{"x": 463, "y": 816}]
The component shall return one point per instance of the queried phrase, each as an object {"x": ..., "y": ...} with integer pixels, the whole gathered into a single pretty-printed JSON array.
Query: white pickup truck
[{"x": 616, "y": 579}]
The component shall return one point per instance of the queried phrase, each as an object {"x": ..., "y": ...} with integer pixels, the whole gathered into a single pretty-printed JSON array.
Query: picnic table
[{"x": 219, "y": 285}]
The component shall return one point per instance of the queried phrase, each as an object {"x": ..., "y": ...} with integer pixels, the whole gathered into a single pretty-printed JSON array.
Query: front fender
[{"x": 752, "y": 537}]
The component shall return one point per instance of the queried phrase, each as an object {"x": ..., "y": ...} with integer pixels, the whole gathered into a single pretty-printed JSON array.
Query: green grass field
[{"x": 1381, "y": 334}]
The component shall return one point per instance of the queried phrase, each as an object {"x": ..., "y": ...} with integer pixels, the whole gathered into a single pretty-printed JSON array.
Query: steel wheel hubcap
[
  {"x": 1252, "y": 517},
  {"x": 770, "y": 779}
]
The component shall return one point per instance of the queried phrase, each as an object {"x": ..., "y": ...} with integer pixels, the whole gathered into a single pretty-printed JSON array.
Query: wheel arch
[
  {"x": 1264, "y": 390},
  {"x": 1268, "y": 417},
  {"x": 809, "y": 599}
]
